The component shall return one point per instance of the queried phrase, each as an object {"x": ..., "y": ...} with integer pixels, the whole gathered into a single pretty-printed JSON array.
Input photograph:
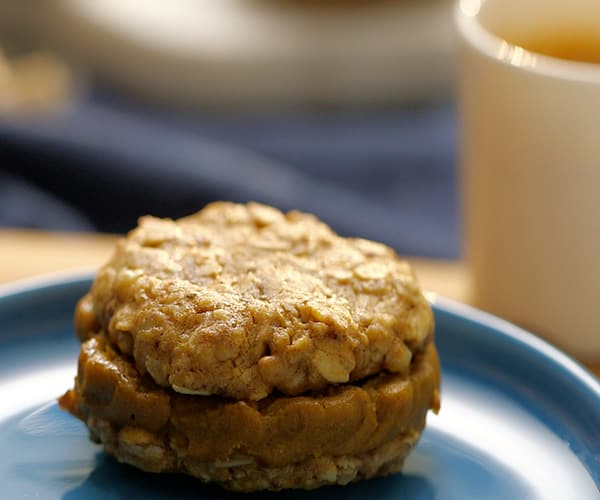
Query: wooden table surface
[{"x": 25, "y": 254}]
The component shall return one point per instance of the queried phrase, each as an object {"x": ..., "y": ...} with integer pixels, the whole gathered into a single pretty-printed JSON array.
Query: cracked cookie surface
[{"x": 243, "y": 300}]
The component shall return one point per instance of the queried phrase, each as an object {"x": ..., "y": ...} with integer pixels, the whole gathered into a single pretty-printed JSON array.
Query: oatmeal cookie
[
  {"x": 242, "y": 300},
  {"x": 345, "y": 433}
]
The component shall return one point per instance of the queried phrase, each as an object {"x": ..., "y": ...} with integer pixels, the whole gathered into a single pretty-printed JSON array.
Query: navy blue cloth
[{"x": 388, "y": 175}]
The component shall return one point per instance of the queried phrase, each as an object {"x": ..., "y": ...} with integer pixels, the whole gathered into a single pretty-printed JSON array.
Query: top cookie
[{"x": 241, "y": 300}]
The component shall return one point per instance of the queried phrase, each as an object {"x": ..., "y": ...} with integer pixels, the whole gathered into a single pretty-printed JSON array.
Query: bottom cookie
[{"x": 349, "y": 432}]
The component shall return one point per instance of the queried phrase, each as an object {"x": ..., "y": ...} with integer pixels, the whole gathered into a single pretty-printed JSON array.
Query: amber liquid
[{"x": 573, "y": 44}]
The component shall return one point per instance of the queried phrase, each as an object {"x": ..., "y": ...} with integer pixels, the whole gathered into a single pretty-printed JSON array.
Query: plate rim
[
  {"x": 500, "y": 327},
  {"x": 41, "y": 287},
  {"x": 524, "y": 338}
]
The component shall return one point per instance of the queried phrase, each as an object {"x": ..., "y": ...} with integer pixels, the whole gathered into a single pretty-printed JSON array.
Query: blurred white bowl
[{"x": 247, "y": 52}]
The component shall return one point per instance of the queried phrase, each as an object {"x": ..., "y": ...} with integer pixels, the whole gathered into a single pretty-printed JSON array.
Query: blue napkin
[{"x": 387, "y": 175}]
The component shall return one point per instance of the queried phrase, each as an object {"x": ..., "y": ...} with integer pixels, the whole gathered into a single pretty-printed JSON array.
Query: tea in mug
[{"x": 569, "y": 43}]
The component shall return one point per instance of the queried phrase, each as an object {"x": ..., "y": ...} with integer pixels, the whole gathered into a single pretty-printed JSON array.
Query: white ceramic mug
[{"x": 530, "y": 159}]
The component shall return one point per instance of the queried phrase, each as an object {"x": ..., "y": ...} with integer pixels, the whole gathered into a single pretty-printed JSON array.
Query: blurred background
[{"x": 344, "y": 108}]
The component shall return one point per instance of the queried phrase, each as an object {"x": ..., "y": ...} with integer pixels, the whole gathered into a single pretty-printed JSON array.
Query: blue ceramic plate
[{"x": 519, "y": 419}]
